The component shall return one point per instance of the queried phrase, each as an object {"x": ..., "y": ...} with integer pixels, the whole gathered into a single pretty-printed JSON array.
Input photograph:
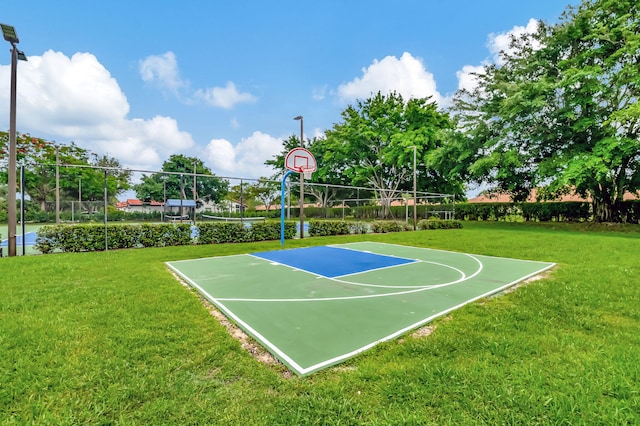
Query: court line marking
[
  {"x": 199, "y": 259},
  {"x": 367, "y": 296},
  {"x": 276, "y": 263},
  {"x": 446, "y": 251},
  {"x": 338, "y": 277}
]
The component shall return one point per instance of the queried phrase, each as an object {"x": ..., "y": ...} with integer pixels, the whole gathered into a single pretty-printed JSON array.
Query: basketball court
[{"x": 318, "y": 306}]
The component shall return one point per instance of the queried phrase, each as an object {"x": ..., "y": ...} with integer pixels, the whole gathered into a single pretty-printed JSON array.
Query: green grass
[{"x": 112, "y": 338}]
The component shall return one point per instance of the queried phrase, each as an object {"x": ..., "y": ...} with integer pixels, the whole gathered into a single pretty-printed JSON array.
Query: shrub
[
  {"x": 439, "y": 224},
  {"x": 318, "y": 228},
  {"x": 382, "y": 227},
  {"x": 90, "y": 237},
  {"x": 222, "y": 232},
  {"x": 358, "y": 228},
  {"x": 270, "y": 230}
]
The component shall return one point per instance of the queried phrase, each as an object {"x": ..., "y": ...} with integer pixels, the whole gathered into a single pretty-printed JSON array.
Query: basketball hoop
[{"x": 302, "y": 161}]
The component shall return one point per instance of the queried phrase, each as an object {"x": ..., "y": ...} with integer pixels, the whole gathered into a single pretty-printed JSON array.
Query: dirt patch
[
  {"x": 424, "y": 331},
  {"x": 529, "y": 280}
]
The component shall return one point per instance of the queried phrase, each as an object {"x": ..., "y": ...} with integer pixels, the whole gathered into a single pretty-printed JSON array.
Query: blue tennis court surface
[
  {"x": 332, "y": 262},
  {"x": 29, "y": 240}
]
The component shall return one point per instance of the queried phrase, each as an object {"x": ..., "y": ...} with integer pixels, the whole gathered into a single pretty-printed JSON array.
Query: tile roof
[{"x": 501, "y": 197}]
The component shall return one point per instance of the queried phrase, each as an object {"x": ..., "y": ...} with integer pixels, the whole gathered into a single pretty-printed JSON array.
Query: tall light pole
[
  {"x": 301, "y": 178},
  {"x": 415, "y": 198},
  {"x": 10, "y": 35}
]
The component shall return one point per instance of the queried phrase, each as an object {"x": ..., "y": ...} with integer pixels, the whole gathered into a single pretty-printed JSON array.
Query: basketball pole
[
  {"x": 301, "y": 203},
  {"x": 282, "y": 205}
]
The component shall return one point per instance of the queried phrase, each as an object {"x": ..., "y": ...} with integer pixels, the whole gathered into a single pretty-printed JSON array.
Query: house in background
[
  {"x": 133, "y": 205},
  {"x": 501, "y": 197},
  {"x": 172, "y": 207}
]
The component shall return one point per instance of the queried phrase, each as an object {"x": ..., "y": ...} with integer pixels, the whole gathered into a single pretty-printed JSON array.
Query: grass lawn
[{"x": 113, "y": 338}]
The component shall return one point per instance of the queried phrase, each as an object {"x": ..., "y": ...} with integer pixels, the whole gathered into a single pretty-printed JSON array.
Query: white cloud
[
  {"x": 502, "y": 42},
  {"x": 162, "y": 69},
  {"x": 406, "y": 76},
  {"x": 224, "y": 97},
  {"x": 496, "y": 44},
  {"x": 245, "y": 159},
  {"x": 76, "y": 99},
  {"x": 467, "y": 79}
]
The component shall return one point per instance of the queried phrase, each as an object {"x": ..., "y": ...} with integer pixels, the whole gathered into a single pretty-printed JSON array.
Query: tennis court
[
  {"x": 318, "y": 306},
  {"x": 29, "y": 240}
]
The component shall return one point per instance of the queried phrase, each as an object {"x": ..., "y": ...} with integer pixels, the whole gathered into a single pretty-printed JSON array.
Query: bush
[
  {"x": 321, "y": 228},
  {"x": 222, "y": 232},
  {"x": 90, "y": 237},
  {"x": 270, "y": 230},
  {"x": 439, "y": 224},
  {"x": 358, "y": 228},
  {"x": 382, "y": 227}
]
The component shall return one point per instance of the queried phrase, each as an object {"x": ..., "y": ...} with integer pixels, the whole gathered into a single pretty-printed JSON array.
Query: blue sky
[{"x": 222, "y": 81}]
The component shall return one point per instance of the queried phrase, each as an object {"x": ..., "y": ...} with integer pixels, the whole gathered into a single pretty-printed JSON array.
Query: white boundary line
[
  {"x": 443, "y": 251},
  {"x": 206, "y": 258}
]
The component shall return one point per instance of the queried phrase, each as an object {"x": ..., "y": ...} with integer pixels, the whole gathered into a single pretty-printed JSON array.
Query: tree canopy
[
  {"x": 373, "y": 147},
  {"x": 38, "y": 156},
  {"x": 179, "y": 181},
  {"x": 560, "y": 111}
]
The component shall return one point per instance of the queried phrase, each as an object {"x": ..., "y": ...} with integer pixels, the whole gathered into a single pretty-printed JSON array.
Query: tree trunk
[{"x": 606, "y": 210}]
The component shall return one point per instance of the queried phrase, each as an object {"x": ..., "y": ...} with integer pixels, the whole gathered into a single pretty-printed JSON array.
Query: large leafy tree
[
  {"x": 327, "y": 182},
  {"x": 374, "y": 144},
  {"x": 264, "y": 190},
  {"x": 561, "y": 109},
  {"x": 179, "y": 182},
  {"x": 79, "y": 170}
]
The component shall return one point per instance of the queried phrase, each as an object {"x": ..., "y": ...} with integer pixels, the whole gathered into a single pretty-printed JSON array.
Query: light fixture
[{"x": 9, "y": 33}]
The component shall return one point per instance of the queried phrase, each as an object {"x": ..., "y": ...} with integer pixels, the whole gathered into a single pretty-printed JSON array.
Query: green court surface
[{"x": 310, "y": 317}]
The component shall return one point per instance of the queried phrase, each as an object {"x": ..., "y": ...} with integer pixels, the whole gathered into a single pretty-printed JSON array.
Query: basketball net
[{"x": 307, "y": 172}]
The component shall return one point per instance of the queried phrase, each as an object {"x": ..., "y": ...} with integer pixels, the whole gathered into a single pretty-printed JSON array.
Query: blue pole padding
[{"x": 284, "y": 179}]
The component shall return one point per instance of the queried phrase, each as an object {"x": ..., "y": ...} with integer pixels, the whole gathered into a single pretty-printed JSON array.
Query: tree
[
  {"x": 328, "y": 173},
  {"x": 180, "y": 178},
  {"x": 561, "y": 110},
  {"x": 39, "y": 159},
  {"x": 265, "y": 190},
  {"x": 374, "y": 144}
]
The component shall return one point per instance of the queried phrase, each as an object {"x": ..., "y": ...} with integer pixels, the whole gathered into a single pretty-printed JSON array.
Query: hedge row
[
  {"x": 570, "y": 211},
  {"x": 542, "y": 212},
  {"x": 76, "y": 238},
  {"x": 439, "y": 224}
]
